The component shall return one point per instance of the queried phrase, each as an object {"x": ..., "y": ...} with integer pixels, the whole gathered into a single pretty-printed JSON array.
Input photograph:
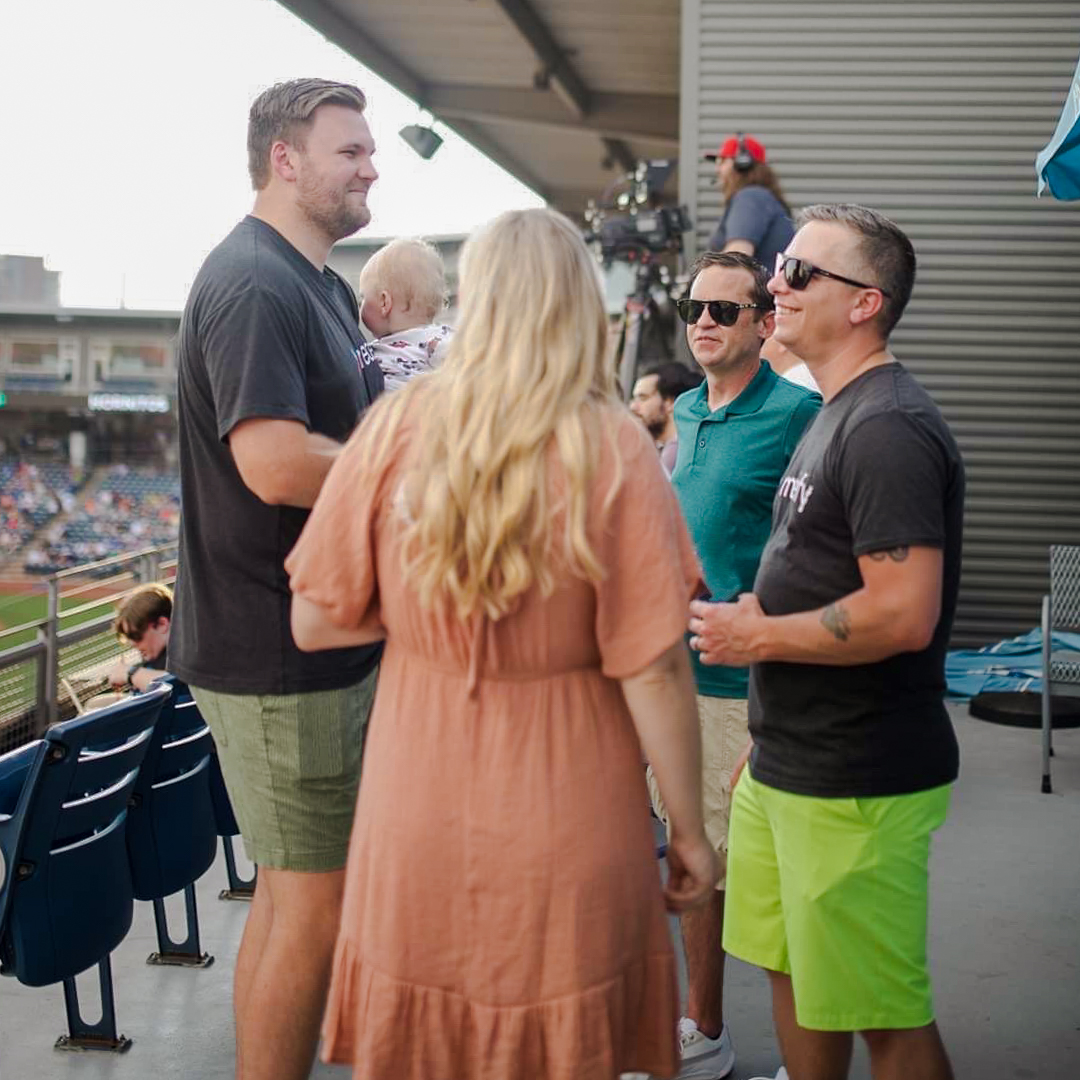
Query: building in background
[
  {"x": 107, "y": 377},
  {"x": 24, "y": 280},
  {"x": 97, "y": 386}
]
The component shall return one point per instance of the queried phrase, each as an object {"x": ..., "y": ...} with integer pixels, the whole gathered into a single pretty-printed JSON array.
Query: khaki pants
[{"x": 724, "y": 734}]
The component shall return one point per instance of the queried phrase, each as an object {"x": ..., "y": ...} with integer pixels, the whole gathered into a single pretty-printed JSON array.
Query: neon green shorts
[{"x": 833, "y": 892}]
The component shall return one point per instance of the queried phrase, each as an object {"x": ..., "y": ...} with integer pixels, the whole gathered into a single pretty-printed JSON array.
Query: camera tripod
[{"x": 647, "y": 325}]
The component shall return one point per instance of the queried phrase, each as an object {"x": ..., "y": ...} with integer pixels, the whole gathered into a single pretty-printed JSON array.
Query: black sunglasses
[
  {"x": 722, "y": 312},
  {"x": 798, "y": 273}
]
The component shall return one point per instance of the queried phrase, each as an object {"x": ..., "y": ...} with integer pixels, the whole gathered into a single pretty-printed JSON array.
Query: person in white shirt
[{"x": 784, "y": 362}]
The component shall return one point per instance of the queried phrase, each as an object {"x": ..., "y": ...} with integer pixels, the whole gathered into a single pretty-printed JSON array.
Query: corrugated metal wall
[{"x": 932, "y": 113}]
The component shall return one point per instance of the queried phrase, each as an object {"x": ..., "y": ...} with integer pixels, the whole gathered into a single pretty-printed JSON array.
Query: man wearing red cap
[{"x": 757, "y": 218}]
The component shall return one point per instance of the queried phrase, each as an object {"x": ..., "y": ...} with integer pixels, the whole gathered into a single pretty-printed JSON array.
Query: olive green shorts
[
  {"x": 834, "y": 893},
  {"x": 292, "y": 766}
]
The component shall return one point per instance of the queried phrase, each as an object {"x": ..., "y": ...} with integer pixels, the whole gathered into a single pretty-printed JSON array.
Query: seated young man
[{"x": 143, "y": 621}]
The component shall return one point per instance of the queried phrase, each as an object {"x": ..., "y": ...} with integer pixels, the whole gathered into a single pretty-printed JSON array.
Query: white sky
[{"x": 124, "y": 126}]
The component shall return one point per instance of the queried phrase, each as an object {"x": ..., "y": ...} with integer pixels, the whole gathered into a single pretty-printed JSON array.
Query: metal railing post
[
  {"x": 41, "y": 685},
  {"x": 52, "y": 653}
]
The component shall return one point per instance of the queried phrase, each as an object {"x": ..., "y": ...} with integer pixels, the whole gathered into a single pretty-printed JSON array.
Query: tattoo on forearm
[
  {"x": 897, "y": 554},
  {"x": 837, "y": 621}
]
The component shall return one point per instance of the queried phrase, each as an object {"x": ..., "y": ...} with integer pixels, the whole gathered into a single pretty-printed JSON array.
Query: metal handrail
[
  {"x": 74, "y": 634},
  {"x": 113, "y": 560},
  {"x": 100, "y": 583},
  {"x": 19, "y": 654},
  {"x": 34, "y": 624},
  {"x": 91, "y": 604}
]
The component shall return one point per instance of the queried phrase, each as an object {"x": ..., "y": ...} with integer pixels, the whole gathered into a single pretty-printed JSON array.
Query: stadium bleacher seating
[
  {"x": 171, "y": 828},
  {"x": 130, "y": 509},
  {"x": 32, "y": 494}
]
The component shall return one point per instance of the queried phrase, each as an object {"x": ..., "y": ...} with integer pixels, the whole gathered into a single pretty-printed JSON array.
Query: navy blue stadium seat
[
  {"x": 66, "y": 894},
  {"x": 171, "y": 829}
]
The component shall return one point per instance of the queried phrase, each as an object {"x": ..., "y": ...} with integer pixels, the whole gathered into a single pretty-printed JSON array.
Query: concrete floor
[{"x": 1005, "y": 947}]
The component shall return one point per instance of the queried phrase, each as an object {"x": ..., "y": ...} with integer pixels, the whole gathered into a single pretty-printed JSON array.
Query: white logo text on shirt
[{"x": 797, "y": 490}]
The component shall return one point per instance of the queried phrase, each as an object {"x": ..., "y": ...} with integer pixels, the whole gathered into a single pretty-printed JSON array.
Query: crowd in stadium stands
[
  {"x": 129, "y": 510},
  {"x": 30, "y": 495}
]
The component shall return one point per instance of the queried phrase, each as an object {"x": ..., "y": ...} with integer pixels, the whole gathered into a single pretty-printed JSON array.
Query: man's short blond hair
[
  {"x": 286, "y": 111},
  {"x": 411, "y": 271}
]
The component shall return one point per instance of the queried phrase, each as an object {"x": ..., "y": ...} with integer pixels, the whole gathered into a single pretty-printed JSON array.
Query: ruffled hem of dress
[{"x": 393, "y": 1030}]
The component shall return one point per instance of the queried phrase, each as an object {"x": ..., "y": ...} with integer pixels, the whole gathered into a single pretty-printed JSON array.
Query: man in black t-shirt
[
  {"x": 274, "y": 376},
  {"x": 852, "y": 752}
]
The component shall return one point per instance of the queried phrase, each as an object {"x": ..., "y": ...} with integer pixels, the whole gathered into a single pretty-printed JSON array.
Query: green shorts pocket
[{"x": 320, "y": 733}]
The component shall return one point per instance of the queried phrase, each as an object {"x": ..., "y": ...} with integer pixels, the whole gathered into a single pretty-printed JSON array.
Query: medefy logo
[
  {"x": 797, "y": 490},
  {"x": 364, "y": 355}
]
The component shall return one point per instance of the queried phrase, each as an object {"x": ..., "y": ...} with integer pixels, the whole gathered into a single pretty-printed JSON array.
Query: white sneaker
[
  {"x": 781, "y": 1075},
  {"x": 704, "y": 1058}
]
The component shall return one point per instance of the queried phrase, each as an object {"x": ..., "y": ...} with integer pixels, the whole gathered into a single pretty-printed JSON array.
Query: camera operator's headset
[{"x": 743, "y": 161}]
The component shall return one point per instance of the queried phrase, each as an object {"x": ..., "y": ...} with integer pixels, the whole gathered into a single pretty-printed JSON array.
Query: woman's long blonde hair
[{"x": 526, "y": 368}]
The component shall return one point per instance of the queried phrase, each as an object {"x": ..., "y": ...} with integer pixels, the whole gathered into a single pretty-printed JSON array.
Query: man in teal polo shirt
[{"x": 737, "y": 432}]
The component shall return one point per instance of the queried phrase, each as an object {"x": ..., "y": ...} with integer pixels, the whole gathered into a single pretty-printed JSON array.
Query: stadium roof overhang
[{"x": 563, "y": 94}]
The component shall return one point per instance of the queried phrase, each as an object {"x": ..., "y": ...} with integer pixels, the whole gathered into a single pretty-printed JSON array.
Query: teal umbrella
[{"x": 1059, "y": 163}]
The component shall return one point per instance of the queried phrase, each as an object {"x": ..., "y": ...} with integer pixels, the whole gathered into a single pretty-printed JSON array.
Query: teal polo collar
[{"x": 754, "y": 395}]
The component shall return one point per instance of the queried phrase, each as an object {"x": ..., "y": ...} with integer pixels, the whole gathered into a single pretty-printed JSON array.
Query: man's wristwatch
[{"x": 131, "y": 671}]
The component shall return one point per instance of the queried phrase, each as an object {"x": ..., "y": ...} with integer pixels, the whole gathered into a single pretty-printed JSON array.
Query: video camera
[{"x": 640, "y": 226}]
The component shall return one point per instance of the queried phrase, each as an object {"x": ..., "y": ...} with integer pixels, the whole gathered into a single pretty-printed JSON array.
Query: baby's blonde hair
[{"x": 411, "y": 271}]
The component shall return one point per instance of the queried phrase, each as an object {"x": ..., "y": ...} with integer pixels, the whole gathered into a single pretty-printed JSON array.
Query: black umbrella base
[{"x": 1024, "y": 709}]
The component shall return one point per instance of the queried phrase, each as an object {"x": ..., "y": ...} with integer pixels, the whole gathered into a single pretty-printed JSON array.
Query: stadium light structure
[{"x": 423, "y": 140}]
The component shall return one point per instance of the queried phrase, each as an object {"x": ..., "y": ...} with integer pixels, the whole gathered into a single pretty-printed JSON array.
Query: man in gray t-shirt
[
  {"x": 274, "y": 376},
  {"x": 757, "y": 218}
]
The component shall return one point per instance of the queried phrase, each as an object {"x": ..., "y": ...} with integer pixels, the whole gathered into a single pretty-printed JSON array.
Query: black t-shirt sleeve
[
  {"x": 893, "y": 482},
  {"x": 750, "y": 215},
  {"x": 253, "y": 348}
]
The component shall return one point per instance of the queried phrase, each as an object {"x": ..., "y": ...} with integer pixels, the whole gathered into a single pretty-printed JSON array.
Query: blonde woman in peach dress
[{"x": 504, "y": 524}]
